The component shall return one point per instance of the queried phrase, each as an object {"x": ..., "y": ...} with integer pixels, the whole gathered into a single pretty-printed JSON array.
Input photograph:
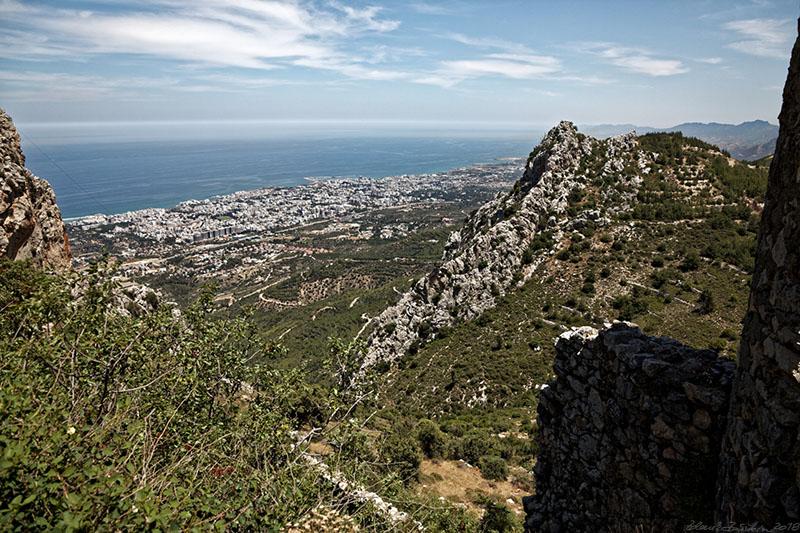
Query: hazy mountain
[
  {"x": 603, "y": 131},
  {"x": 748, "y": 140}
]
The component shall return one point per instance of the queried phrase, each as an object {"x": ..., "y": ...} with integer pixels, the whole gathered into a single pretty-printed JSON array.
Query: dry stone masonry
[
  {"x": 644, "y": 434},
  {"x": 31, "y": 221},
  {"x": 759, "y": 477},
  {"x": 630, "y": 433}
]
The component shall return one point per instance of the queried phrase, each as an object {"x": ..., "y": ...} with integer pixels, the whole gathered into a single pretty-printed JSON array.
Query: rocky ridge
[
  {"x": 491, "y": 253},
  {"x": 31, "y": 221}
]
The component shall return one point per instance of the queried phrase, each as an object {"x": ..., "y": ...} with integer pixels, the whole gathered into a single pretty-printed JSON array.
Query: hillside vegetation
[
  {"x": 676, "y": 262},
  {"x": 172, "y": 422},
  {"x": 221, "y": 415}
]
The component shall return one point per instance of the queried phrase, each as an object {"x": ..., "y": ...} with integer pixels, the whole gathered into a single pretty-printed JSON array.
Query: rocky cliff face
[
  {"x": 31, "y": 221},
  {"x": 760, "y": 471},
  {"x": 490, "y": 255}
]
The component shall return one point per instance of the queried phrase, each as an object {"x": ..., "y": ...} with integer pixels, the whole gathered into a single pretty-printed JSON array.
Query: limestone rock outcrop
[
  {"x": 760, "y": 470},
  {"x": 487, "y": 257},
  {"x": 31, "y": 222}
]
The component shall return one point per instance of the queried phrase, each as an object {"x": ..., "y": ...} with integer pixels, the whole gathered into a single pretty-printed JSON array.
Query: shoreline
[
  {"x": 270, "y": 209},
  {"x": 308, "y": 181}
]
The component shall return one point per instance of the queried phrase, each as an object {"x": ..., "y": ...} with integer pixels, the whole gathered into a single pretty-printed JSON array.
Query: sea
[{"x": 120, "y": 167}]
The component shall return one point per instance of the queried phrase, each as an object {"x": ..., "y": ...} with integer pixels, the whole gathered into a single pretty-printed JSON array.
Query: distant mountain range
[{"x": 746, "y": 141}]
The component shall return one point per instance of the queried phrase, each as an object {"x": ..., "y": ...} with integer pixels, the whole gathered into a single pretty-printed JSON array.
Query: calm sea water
[{"x": 92, "y": 176}]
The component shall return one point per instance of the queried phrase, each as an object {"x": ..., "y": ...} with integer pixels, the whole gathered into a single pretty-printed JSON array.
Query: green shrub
[
  {"x": 424, "y": 329},
  {"x": 691, "y": 261},
  {"x": 497, "y": 518},
  {"x": 449, "y": 519},
  {"x": 153, "y": 422},
  {"x": 455, "y": 428},
  {"x": 432, "y": 441},
  {"x": 401, "y": 450},
  {"x": 474, "y": 445},
  {"x": 527, "y": 256},
  {"x": 717, "y": 344},
  {"x": 629, "y": 307},
  {"x": 493, "y": 467},
  {"x": 707, "y": 304}
]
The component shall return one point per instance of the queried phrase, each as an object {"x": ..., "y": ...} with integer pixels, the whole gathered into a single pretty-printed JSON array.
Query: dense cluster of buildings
[{"x": 272, "y": 208}]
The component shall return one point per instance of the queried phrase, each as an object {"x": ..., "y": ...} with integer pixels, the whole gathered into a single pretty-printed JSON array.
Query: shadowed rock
[{"x": 761, "y": 453}]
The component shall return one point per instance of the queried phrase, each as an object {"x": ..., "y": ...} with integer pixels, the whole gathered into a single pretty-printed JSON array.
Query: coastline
[
  {"x": 113, "y": 178},
  {"x": 269, "y": 209}
]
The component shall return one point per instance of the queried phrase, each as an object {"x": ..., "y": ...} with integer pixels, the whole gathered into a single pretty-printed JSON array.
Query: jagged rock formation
[
  {"x": 593, "y": 418},
  {"x": 760, "y": 468},
  {"x": 31, "y": 221},
  {"x": 630, "y": 433},
  {"x": 488, "y": 256}
]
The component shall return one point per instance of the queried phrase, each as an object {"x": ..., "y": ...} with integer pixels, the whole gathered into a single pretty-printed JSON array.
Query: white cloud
[
  {"x": 33, "y": 86},
  {"x": 709, "y": 60},
  {"x": 762, "y": 37},
  {"x": 635, "y": 59},
  {"x": 255, "y": 34},
  {"x": 353, "y": 70},
  {"x": 513, "y": 61},
  {"x": 429, "y": 9},
  {"x": 515, "y": 66},
  {"x": 486, "y": 42},
  {"x": 365, "y": 18}
]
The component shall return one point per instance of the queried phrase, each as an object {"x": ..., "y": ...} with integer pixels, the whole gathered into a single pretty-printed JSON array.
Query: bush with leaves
[
  {"x": 432, "y": 441},
  {"x": 401, "y": 452},
  {"x": 497, "y": 518},
  {"x": 114, "y": 422},
  {"x": 474, "y": 445},
  {"x": 493, "y": 467}
]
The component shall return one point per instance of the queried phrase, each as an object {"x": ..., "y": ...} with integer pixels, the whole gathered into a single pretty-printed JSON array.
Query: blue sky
[{"x": 515, "y": 63}]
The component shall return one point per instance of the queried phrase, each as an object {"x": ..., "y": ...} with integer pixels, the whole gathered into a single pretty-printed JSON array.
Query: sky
[{"x": 455, "y": 62}]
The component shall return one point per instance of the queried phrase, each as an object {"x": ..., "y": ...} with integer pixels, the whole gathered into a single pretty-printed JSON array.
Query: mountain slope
[
  {"x": 659, "y": 229},
  {"x": 491, "y": 253}
]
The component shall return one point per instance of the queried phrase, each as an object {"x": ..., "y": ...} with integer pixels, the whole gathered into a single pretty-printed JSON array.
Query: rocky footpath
[
  {"x": 31, "y": 221},
  {"x": 630, "y": 433},
  {"x": 760, "y": 472},
  {"x": 489, "y": 255}
]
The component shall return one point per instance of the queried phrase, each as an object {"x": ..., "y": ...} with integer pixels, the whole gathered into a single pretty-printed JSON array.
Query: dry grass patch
[{"x": 461, "y": 483}]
